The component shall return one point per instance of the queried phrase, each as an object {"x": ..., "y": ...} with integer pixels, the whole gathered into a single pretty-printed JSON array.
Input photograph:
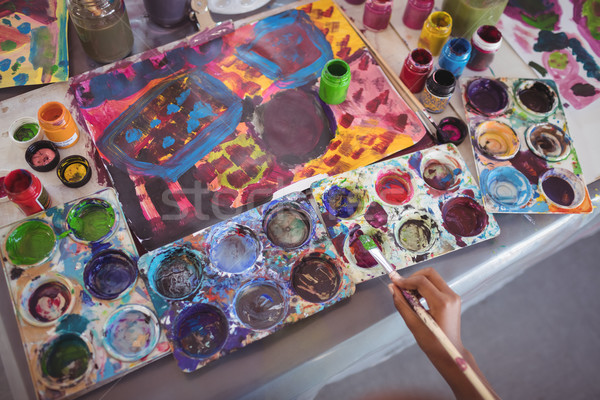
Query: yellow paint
[{"x": 75, "y": 172}]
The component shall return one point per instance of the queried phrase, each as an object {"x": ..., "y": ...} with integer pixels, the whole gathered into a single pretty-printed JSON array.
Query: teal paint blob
[
  {"x": 65, "y": 360},
  {"x": 172, "y": 109},
  {"x": 200, "y": 111},
  {"x": 133, "y": 135},
  {"x": 183, "y": 97},
  {"x": 30, "y": 243},
  {"x": 24, "y": 28},
  {"x": 73, "y": 323},
  {"x": 155, "y": 122},
  {"x": 91, "y": 220},
  {"x": 167, "y": 142}
]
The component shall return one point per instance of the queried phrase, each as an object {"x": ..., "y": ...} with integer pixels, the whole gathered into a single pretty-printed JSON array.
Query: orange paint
[{"x": 58, "y": 125}]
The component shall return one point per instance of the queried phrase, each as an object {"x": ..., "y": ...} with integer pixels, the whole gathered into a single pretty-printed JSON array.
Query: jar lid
[
  {"x": 42, "y": 156},
  {"x": 74, "y": 171},
  {"x": 487, "y": 38},
  {"x": 441, "y": 83}
]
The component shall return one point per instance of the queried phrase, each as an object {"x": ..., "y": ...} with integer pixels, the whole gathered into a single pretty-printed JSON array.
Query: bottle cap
[
  {"x": 488, "y": 38},
  {"x": 441, "y": 83}
]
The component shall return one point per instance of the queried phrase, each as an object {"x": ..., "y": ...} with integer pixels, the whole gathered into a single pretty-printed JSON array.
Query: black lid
[
  {"x": 76, "y": 180},
  {"x": 42, "y": 144},
  {"x": 451, "y": 130},
  {"x": 441, "y": 83}
]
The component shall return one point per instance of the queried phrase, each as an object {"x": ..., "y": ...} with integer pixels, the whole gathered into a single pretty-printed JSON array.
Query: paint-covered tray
[
  {"x": 524, "y": 153},
  {"x": 415, "y": 207},
  {"x": 229, "y": 285},
  {"x": 84, "y": 316}
]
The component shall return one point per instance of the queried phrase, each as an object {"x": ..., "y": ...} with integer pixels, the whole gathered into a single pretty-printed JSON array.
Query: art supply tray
[
  {"x": 524, "y": 153},
  {"x": 84, "y": 316},
  {"x": 238, "y": 281},
  {"x": 415, "y": 207}
]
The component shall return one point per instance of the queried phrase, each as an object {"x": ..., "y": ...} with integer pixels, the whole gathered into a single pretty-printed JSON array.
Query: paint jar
[
  {"x": 416, "y": 68},
  {"x": 168, "y": 13},
  {"x": 416, "y": 12},
  {"x": 58, "y": 125},
  {"x": 485, "y": 42},
  {"x": 47, "y": 299},
  {"x": 25, "y": 190},
  {"x": 42, "y": 156},
  {"x": 455, "y": 55},
  {"x": 436, "y": 31},
  {"x": 438, "y": 90},
  {"x": 376, "y": 16},
  {"x": 25, "y": 131},
  {"x": 3, "y": 194},
  {"x": 103, "y": 28},
  {"x": 74, "y": 171},
  {"x": 468, "y": 15},
  {"x": 335, "y": 80}
]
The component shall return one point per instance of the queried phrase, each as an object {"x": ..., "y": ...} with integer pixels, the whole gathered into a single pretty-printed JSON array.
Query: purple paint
[
  {"x": 362, "y": 257},
  {"x": 109, "y": 274},
  {"x": 487, "y": 96},
  {"x": 530, "y": 165},
  {"x": 200, "y": 330},
  {"x": 451, "y": 130},
  {"x": 558, "y": 190},
  {"x": 376, "y": 216},
  {"x": 463, "y": 216},
  {"x": 315, "y": 278}
]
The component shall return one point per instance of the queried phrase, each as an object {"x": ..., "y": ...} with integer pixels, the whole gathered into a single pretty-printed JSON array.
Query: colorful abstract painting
[
  {"x": 33, "y": 42},
  {"x": 200, "y": 132}
]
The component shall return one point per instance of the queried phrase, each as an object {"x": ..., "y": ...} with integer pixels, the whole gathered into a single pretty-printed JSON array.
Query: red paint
[
  {"x": 346, "y": 120},
  {"x": 25, "y": 190},
  {"x": 372, "y": 105},
  {"x": 394, "y": 188},
  {"x": 2, "y": 191},
  {"x": 416, "y": 67}
]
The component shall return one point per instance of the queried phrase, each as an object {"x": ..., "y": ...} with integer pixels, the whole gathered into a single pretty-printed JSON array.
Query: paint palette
[
  {"x": 84, "y": 316},
  {"x": 415, "y": 207},
  {"x": 524, "y": 154},
  {"x": 229, "y": 285}
]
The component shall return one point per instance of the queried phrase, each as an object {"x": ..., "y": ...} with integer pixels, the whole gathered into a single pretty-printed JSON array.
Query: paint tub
[
  {"x": 176, "y": 273},
  {"x": 463, "y": 216},
  {"x": 31, "y": 243},
  {"x": 25, "y": 190},
  {"x": 536, "y": 98},
  {"x": 441, "y": 171},
  {"x": 65, "y": 360},
  {"x": 131, "y": 332},
  {"x": 394, "y": 187},
  {"x": 435, "y": 32},
  {"x": 200, "y": 330},
  {"x": 354, "y": 250},
  {"x": 497, "y": 140},
  {"x": 315, "y": 278},
  {"x": 335, "y": 80},
  {"x": 507, "y": 187},
  {"x": 260, "y": 304},
  {"x": 416, "y": 68},
  {"x": 488, "y": 96},
  {"x": 45, "y": 301},
  {"x": 234, "y": 249},
  {"x": 42, "y": 156},
  {"x": 288, "y": 225},
  {"x": 342, "y": 202},
  {"x": 25, "y": 131},
  {"x": 91, "y": 220},
  {"x": 109, "y": 274},
  {"x": 74, "y": 171},
  {"x": 548, "y": 141},
  {"x": 416, "y": 232},
  {"x": 562, "y": 188},
  {"x": 451, "y": 130},
  {"x": 454, "y": 56},
  {"x": 58, "y": 125},
  {"x": 377, "y": 14}
]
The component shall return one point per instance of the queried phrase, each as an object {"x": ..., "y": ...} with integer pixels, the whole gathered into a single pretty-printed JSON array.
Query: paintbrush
[{"x": 428, "y": 320}]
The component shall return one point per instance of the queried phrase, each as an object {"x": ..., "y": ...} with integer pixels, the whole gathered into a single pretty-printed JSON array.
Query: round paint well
[
  {"x": 562, "y": 188},
  {"x": 74, "y": 171},
  {"x": 342, "y": 202},
  {"x": 131, "y": 332},
  {"x": 200, "y": 330},
  {"x": 91, "y": 220},
  {"x": 287, "y": 225},
  {"x": 497, "y": 140},
  {"x": 452, "y": 130},
  {"x": 487, "y": 96},
  {"x": 463, "y": 216},
  {"x": 175, "y": 273},
  {"x": 109, "y": 274},
  {"x": 394, "y": 187},
  {"x": 315, "y": 278},
  {"x": 31, "y": 243},
  {"x": 441, "y": 171},
  {"x": 47, "y": 300},
  {"x": 260, "y": 305},
  {"x": 355, "y": 251},
  {"x": 548, "y": 141},
  {"x": 234, "y": 249},
  {"x": 65, "y": 360},
  {"x": 507, "y": 187},
  {"x": 416, "y": 232},
  {"x": 536, "y": 98}
]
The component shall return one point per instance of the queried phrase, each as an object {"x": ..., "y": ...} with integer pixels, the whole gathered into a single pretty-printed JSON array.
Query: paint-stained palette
[
  {"x": 84, "y": 315},
  {"x": 229, "y": 285},
  {"x": 524, "y": 153},
  {"x": 415, "y": 207}
]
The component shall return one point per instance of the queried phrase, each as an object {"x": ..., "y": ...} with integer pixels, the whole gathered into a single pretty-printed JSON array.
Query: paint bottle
[
  {"x": 416, "y": 67},
  {"x": 438, "y": 90},
  {"x": 436, "y": 31},
  {"x": 455, "y": 55},
  {"x": 25, "y": 190},
  {"x": 168, "y": 13},
  {"x": 468, "y": 15},
  {"x": 335, "y": 80},
  {"x": 416, "y": 12},
  {"x": 58, "y": 125},
  {"x": 377, "y": 14},
  {"x": 485, "y": 42},
  {"x": 103, "y": 28}
]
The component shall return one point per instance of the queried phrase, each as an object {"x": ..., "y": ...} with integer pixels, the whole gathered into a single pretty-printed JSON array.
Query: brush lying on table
[{"x": 428, "y": 320}]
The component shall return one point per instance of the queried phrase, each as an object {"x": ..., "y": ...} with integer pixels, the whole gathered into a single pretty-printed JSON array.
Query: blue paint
[
  {"x": 183, "y": 97},
  {"x": 507, "y": 187},
  {"x": 200, "y": 111},
  {"x": 200, "y": 330},
  {"x": 415, "y": 161},
  {"x": 341, "y": 202},
  {"x": 4, "y": 65},
  {"x": 234, "y": 250},
  {"x": 172, "y": 109},
  {"x": 21, "y": 59},
  {"x": 6, "y": 22},
  {"x": 455, "y": 55},
  {"x": 155, "y": 122},
  {"x": 108, "y": 274},
  {"x": 73, "y": 323},
  {"x": 167, "y": 141},
  {"x": 21, "y": 79},
  {"x": 24, "y": 28},
  {"x": 133, "y": 135},
  {"x": 87, "y": 299}
]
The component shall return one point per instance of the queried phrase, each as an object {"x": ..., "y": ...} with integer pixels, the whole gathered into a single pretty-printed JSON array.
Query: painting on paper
[
  {"x": 561, "y": 41},
  {"x": 33, "y": 42},
  {"x": 200, "y": 132}
]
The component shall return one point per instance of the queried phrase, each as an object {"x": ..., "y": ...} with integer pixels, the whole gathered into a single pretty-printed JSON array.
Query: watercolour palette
[
  {"x": 415, "y": 207},
  {"x": 524, "y": 153},
  {"x": 84, "y": 316},
  {"x": 227, "y": 286}
]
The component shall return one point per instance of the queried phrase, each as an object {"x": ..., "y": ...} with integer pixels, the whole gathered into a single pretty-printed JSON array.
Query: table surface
[{"x": 362, "y": 331}]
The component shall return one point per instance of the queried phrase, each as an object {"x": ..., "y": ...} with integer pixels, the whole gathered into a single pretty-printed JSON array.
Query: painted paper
[
  {"x": 239, "y": 281},
  {"x": 218, "y": 123},
  {"x": 33, "y": 42},
  {"x": 84, "y": 315},
  {"x": 415, "y": 207}
]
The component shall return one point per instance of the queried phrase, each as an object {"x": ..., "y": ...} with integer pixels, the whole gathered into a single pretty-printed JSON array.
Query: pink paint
[
  {"x": 377, "y": 14},
  {"x": 43, "y": 156}
]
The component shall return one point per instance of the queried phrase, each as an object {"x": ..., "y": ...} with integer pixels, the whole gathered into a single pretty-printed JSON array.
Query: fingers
[
  {"x": 402, "y": 305},
  {"x": 435, "y": 278}
]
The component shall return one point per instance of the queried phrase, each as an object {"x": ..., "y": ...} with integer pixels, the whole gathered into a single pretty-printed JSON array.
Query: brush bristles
[{"x": 367, "y": 242}]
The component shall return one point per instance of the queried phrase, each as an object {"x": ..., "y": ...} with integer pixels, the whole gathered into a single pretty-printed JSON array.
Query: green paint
[
  {"x": 8, "y": 45},
  {"x": 335, "y": 80},
  {"x": 26, "y": 132},
  {"x": 591, "y": 11},
  {"x": 15, "y": 66},
  {"x": 576, "y": 166},
  {"x": 30, "y": 243},
  {"x": 91, "y": 220},
  {"x": 541, "y": 70},
  {"x": 558, "y": 60},
  {"x": 54, "y": 69},
  {"x": 543, "y": 22},
  {"x": 65, "y": 359}
]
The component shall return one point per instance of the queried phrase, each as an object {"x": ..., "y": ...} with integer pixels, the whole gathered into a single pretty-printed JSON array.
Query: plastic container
[
  {"x": 416, "y": 68},
  {"x": 486, "y": 42},
  {"x": 416, "y": 12},
  {"x": 168, "y": 13},
  {"x": 468, "y": 15},
  {"x": 455, "y": 55},
  {"x": 25, "y": 131},
  {"x": 42, "y": 156},
  {"x": 436, "y": 31},
  {"x": 377, "y": 14},
  {"x": 25, "y": 190},
  {"x": 58, "y": 125},
  {"x": 74, "y": 171},
  {"x": 335, "y": 80},
  {"x": 438, "y": 89}
]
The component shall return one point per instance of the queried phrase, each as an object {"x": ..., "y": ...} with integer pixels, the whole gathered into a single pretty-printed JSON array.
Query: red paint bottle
[
  {"x": 25, "y": 190},
  {"x": 416, "y": 68},
  {"x": 485, "y": 42}
]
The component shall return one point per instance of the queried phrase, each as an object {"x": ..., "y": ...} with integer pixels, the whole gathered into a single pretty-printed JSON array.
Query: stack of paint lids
[
  {"x": 84, "y": 316},
  {"x": 524, "y": 153}
]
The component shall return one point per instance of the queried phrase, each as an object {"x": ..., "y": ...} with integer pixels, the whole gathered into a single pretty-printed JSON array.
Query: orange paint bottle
[{"x": 58, "y": 125}]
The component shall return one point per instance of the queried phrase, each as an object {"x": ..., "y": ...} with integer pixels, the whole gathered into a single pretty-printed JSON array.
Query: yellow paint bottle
[
  {"x": 436, "y": 30},
  {"x": 58, "y": 125}
]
